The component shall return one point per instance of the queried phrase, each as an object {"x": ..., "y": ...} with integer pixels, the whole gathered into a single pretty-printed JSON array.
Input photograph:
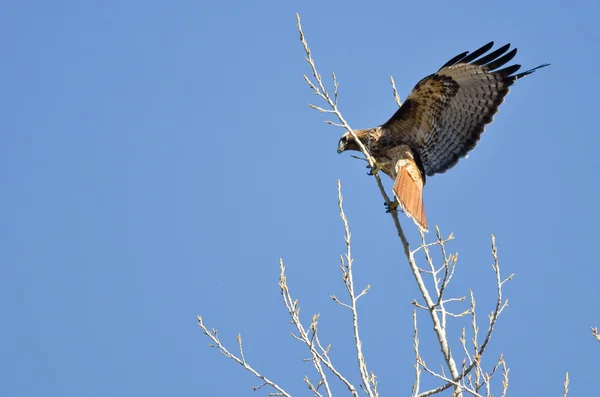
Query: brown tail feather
[{"x": 409, "y": 193}]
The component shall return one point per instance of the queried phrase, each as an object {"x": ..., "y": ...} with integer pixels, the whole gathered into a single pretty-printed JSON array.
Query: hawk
[{"x": 440, "y": 122}]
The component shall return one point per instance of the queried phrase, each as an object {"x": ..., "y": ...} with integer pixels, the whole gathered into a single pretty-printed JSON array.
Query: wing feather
[
  {"x": 445, "y": 114},
  {"x": 492, "y": 55},
  {"x": 466, "y": 58},
  {"x": 477, "y": 53},
  {"x": 507, "y": 71},
  {"x": 456, "y": 59},
  {"x": 501, "y": 61}
]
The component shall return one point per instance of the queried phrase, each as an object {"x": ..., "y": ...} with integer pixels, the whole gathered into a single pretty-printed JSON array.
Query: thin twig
[
  {"x": 595, "y": 333},
  {"x": 312, "y": 387},
  {"x": 566, "y": 385},
  {"x": 459, "y": 387},
  {"x": 318, "y": 358},
  {"x": 417, "y": 384},
  {"x": 505, "y": 371},
  {"x": 349, "y": 282},
  {"x": 242, "y": 361},
  {"x": 480, "y": 349},
  {"x": 319, "y": 90}
]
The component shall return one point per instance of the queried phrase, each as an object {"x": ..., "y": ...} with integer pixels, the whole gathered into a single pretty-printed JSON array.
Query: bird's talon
[
  {"x": 393, "y": 206},
  {"x": 376, "y": 167}
]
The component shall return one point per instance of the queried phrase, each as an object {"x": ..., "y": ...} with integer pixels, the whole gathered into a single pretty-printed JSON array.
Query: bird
[{"x": 440, "y": 122}]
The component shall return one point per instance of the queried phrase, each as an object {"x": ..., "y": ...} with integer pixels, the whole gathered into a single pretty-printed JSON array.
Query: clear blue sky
[{"x": 157, "y": 159}]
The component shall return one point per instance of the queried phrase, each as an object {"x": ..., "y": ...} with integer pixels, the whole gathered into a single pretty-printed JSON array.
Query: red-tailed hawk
[{"x": 440, "y": 122}]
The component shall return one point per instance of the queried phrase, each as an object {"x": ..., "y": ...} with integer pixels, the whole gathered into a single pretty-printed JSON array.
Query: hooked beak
[{"x": 342, "y": 145}]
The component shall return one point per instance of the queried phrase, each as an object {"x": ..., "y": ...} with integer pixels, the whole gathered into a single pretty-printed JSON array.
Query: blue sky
[{"x": 158, "y": 158}]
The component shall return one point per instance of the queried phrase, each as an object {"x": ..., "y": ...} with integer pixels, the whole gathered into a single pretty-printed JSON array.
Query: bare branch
[
  {"x": 505, "y": 371},
  {"x": 417, "y": 384},
  {"x": 319, "y": 90},
  {"x": 458, "y": 315},
  {"x": 595, "y": 333},
  {"x": 242, "y": 361},
  {"x": 463, "y": 342},
  {"x": 364, "y": 292},
  {"x": 458, "y": 386},
  {"x": 312, "y": 388},
  {"x": 368, "y": 381},
  {"x": 478, "y": 350},
  {"x": 336, "y": 300},
  {"x": 566, "y": 385},
  {"x": 320, "y": 109},
  {"x": 318, "y": 358}
]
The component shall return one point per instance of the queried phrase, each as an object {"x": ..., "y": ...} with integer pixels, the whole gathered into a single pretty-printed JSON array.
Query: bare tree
[{"x": 432, "y": 278}]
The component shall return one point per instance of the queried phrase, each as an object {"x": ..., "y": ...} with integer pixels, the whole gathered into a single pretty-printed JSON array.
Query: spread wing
[{"x": 446, "y": 113}]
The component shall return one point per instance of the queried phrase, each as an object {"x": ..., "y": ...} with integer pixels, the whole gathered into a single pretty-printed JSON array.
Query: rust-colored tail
[{"x": 408, "y": 189}]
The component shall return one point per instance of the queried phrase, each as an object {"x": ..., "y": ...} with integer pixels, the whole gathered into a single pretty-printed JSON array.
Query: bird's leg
[
  {"x": 393, "y": 206},
  {"x": 377, "y": 166}
]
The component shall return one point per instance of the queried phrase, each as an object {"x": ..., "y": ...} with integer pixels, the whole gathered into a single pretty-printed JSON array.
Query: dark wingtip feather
[
  {"x": 477, "y": 53},
  {"x": 507, "y": 71},
  {"x": 491, "y": 56},
  {"x": 455, "y": 59},
  {"x": 465, "y": 57},
  {"x": 525, "y": 73},
  {"x": 502, "y": 60}
]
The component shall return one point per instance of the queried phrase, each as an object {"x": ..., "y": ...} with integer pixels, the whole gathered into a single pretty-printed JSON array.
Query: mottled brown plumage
[{"x": 441, "y": 121}]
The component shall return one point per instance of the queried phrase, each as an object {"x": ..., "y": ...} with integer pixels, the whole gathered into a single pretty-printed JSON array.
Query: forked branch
[{"x": 213, "y": 335}]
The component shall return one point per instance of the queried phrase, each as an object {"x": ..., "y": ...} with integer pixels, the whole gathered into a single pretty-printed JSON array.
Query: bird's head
[{"x": 347, "y": 141}]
